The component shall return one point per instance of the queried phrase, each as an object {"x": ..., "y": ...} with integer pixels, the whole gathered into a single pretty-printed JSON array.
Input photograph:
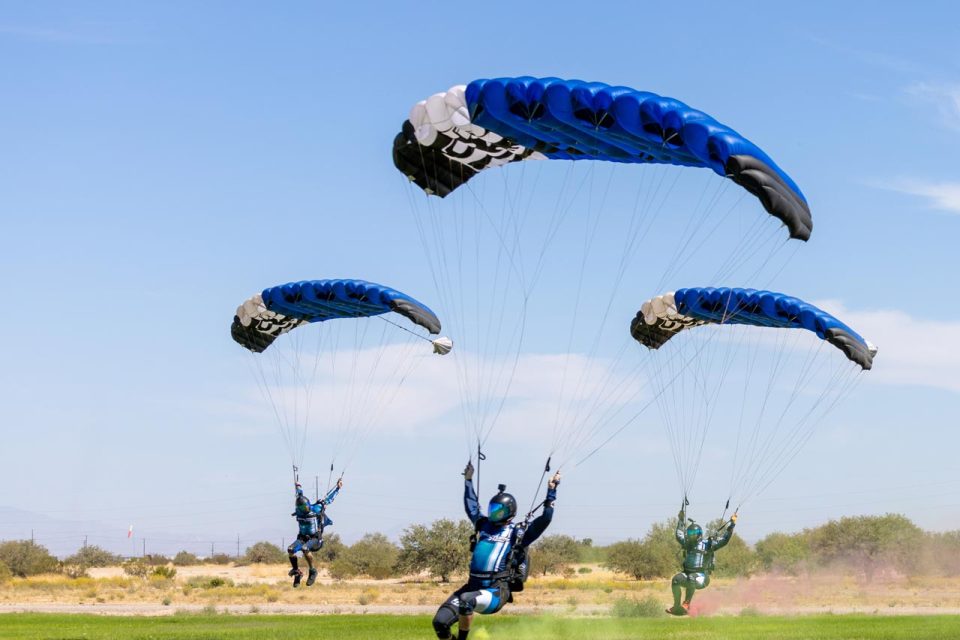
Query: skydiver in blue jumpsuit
[
  {"x": 498, "y": 566},
  {"x": 312, "y": 519},
  {"x": 697, "y": 559}
]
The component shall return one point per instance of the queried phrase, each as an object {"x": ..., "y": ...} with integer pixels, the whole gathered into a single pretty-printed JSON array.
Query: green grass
[{"x": 377, "y": 627}]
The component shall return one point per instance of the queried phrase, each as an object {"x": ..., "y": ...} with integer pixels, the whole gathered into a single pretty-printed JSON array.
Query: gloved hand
[
  {"x": 468, "y": 471},
  {"x": 554, "y": 481},
  {"x": 340, "y": 483},
  {"x": 682, "y": 514},
  {"x": 733, "y": 519}
]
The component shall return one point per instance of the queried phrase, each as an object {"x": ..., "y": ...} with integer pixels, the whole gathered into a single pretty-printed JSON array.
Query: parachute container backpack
[
  {"x": 331, "y": 355},
  {"x": 539, "y": 200},
  {"x": 750, "y": 371}
]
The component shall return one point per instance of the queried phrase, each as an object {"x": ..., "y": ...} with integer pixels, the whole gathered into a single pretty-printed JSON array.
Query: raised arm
[
  {"x": 470, "y": 502},
  {"x": 332, "y": 494},
  {"x": 540, "y": 524},
  {"x": 681, "y": 533},
  {"x": 721, "y": 540}
]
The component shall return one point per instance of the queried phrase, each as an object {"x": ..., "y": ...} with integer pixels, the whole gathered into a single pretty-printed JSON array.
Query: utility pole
[
  {"x": 31, "y": 536},
  {"x": 211, "y": 549},
  {"x": 84, "y": 542},
  {"x": 238, "y": 545},
  {"x": 316, "y": 486},
  {"x": 144, "y": 547}
]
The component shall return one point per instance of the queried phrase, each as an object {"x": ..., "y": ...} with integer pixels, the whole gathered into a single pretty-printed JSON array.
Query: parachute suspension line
[
  {"x": 751, "y": 367},
  {"x": 695, "y": 221},
  {"x": 481, "y": 456},
  {"x": 426, "y": 225},
  {"x": 402, "y": 328},
  {"x": 533, "y": 503},
  {"x": 770, "y": 451},
  {"x": 373, "y": 398},
  {"x": 755, "y": 441},
  {"x": 810, "y": 420},
  {"x": 592, "y": 222},
  {"x": 583, "y": 425},
  {"x": 637, "y": 414}
]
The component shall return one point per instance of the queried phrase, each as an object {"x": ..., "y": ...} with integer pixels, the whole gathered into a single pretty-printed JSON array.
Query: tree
[
  {"x": 656, "y": 556},
  {"x": 783, "y": 553},
  {"x": 374, "y": 555},
  {"x": 554, "y": 553},
  {"x": 93, "y": 556},
  {"x": 869, "y": 542},
  {"x": 26, "y": 558},
  {"x": 5, "y": 573},
  {"x": 264, "y": 553},
  {"x": 440, "y": 549}
]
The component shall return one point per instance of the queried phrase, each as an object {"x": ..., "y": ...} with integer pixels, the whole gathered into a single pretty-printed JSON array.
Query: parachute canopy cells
[
  {"x": 664, "y": 316},
  {"x": 452, "y": 136},
  {"x": 277, "y": 310}
]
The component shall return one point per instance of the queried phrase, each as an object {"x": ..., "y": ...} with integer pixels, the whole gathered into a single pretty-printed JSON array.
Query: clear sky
[{"x": 160, "y": 162}]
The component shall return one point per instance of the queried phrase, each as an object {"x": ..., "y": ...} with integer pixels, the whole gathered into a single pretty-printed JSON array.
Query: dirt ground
[{"x": 267, "y": 589}]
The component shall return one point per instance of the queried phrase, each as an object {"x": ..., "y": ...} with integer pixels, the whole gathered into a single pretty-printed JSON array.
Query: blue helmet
[
  {"x": 694, "y": 534},
  {"x": 303, "y": 505},
  {"x": 503, "y": 506}
]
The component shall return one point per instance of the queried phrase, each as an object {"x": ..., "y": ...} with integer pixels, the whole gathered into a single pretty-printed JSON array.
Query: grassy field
[{"x": 349, "y": 627}]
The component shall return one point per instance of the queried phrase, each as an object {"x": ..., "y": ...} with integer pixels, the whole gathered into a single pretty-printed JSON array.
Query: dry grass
[{"x": 252, "y": 586}]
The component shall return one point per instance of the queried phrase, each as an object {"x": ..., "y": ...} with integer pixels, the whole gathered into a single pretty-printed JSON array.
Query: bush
[
  {"x": 374, "y": 555},
  {"x": 185, "y": 559},
  {"x": 783, "y": 553},
  {"x": 26, "y": 558},
  {"x": 342, "y": 568},
  {"x": 584, "y": 570},
  {"x": 332, "y": 548},
  {"x": 220, "y": 558},
  {"x": 209, "y": 582},
  {"x": 648, "y": 607},
  {"x": 93, "y": 556},
  {"x": 5, "y": 573},
  {"x": 136, "y": 568},
  {"x": 154, "y": 559},
  {"x": 74, "y": 571},
  {"x": 164, "y": 571},
  {"x": 264, "y": 553}
]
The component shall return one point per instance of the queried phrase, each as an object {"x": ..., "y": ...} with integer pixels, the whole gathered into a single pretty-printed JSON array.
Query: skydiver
[
  {"x": 697, "y": 559},
  {"x": 498, "y": 566},
  {"x": 311, "y": 519}
]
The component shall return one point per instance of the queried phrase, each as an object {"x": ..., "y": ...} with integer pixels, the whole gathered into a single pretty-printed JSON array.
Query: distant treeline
[{"x": 862, "y": 544}]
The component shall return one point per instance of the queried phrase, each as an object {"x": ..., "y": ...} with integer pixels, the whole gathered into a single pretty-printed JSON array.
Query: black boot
[{"x": 311, "y": 577}]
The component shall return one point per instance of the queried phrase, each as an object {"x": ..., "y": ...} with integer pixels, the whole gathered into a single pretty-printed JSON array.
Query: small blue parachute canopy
[
  {"x": 452, "y": 136},
  {"x": 662, "y": 317},
  {"x": 277, "y": 310}
]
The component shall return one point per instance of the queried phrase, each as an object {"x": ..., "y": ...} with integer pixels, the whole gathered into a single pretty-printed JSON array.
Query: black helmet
[
  {"x": 503, "y": 506},
  {"x": 694, "y": 533},
  {"x": 303, "y": 505}
]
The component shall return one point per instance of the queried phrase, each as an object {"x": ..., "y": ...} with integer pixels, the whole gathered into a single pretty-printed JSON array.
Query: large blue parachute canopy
[
  {"x": 277, "y": 310},
  {"x": 452, "y": 136},
  {"x": 663, "y": 317}
]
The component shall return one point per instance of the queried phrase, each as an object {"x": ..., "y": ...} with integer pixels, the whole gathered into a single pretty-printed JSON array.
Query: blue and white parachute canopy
[
  {"x": 662, "y": 317},
  {"x": 277, "y": 310},
  {"x": 452, "y": 136}
]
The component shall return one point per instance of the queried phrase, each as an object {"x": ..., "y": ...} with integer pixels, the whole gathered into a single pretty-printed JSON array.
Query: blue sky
[{"x": 161, "y": 162}]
